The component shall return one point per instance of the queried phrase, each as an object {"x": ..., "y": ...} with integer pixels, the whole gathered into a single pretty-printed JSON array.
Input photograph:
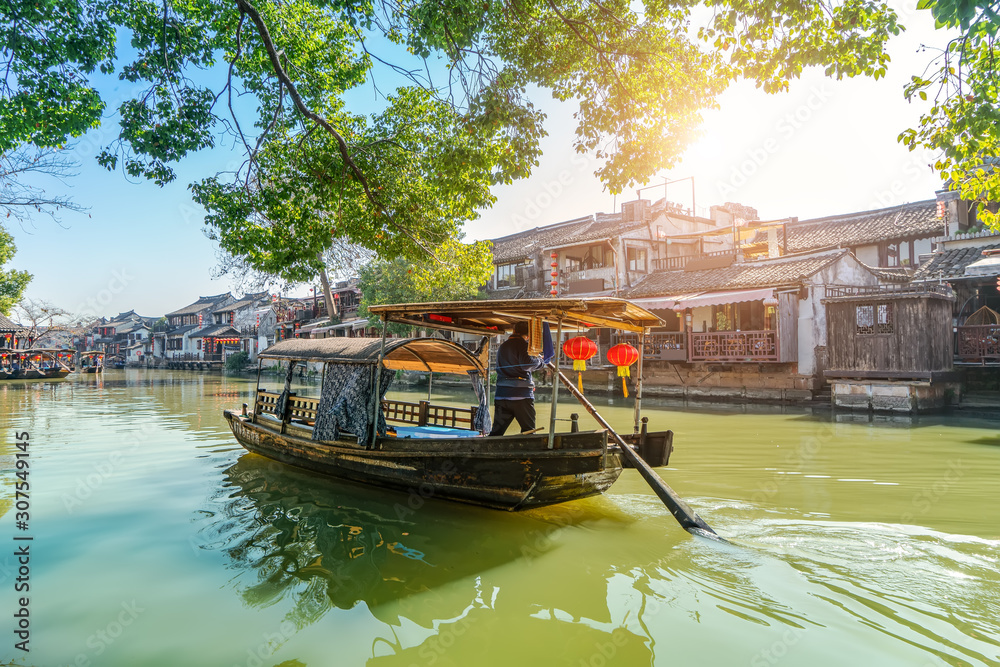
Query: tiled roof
[
  {"x": 525, "y": 244},
  {"x": 950, "y": 264},
  {"x": 8, "y": 326},
  {"x": 216, "y": 330},
  {"x": 914, "y": 220},
  {"x": 606, "y": 227},
  {"x": 201, "y": 304},
  {"x": 129, "y": 327},
  {"x": 765, "y": 273},
  {"x": 893, "y": 274},
  {"x": 182, "y": 330},
  {"x": 236, "y": 305}
]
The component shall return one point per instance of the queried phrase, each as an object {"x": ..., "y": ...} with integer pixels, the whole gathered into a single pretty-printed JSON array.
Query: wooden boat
[
  {"x": 352, "y": 432},
  {"x": 92, "y": 362},
  {"x": 32, "y": 364}
]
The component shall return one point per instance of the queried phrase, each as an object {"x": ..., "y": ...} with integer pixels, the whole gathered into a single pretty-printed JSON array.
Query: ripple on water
[{"x": 932, "y": 589}]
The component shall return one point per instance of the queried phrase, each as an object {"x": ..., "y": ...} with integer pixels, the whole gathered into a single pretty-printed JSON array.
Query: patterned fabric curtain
[
  {"x": 482, "y": 421},
  {"x": 345, "y": 402},
  {"x": 282, "y": 403}
]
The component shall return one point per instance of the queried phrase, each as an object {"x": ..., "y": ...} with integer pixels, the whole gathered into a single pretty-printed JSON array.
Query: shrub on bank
[{"x": 237, "y": 361}]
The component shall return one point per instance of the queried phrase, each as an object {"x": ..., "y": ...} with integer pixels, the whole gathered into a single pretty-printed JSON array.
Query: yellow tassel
[
  {"x": 624, "y": 387},
  {"x": 579, "y": 382},
  {"x": 579, "y": 365}
]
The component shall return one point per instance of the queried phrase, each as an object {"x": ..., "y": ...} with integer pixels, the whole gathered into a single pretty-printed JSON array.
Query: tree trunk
[{"x": 331, "y": 305}]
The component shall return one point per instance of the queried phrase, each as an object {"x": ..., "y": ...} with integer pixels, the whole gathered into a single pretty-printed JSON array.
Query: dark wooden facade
[{"x": 889, "y": 331}]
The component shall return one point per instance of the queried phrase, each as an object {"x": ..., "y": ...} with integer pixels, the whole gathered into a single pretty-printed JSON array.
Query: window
[
  {"x": 594, "y": 258},
  {"x": 506, "y": 275},
  {"x": 874, "y": 319},
  {"x": 636, "y": 258},
  {"x": 889, "y": 254}
]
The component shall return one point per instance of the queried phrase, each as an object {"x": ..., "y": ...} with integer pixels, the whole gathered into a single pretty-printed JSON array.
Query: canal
[{"x": 158, "y": 541}]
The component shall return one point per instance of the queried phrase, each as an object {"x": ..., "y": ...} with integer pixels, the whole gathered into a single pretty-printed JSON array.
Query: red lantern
[
  {"x": 579, "y": 349},
  {"x": 623, "y": 355}
]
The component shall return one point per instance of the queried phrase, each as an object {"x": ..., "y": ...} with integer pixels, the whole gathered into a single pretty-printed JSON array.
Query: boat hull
[{"x": 511, "y": 472}]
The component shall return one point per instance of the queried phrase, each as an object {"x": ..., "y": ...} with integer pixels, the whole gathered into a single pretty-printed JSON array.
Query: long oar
[{"x": 685, "y": 516}]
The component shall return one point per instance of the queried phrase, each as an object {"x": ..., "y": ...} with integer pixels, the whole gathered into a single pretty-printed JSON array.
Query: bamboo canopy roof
[
  {"x": 984, "y": 315},
  {"x": 409, "y": 354},
  {"x": 497, "y": 317}
]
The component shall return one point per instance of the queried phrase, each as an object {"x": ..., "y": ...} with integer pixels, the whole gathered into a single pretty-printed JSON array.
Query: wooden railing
[
  {"x": 425, "y": 414},
  {"x": 303, "y": 410},
  {"x": 889, "y": 289},
  {"x": 665, "y": 345},
  {"x": 735, "y": 346},
  {"x": 978, "y": 342},
  {"x": 677, "y": 263},
  {"x": 192, "y": 356}
]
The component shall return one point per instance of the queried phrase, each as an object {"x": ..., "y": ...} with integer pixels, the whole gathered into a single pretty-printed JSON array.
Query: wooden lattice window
[{"x": 874, "y": 318}]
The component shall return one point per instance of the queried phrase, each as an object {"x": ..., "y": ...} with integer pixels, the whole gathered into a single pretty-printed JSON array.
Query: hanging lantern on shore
[
  {"x": 771, "y": 302},
  {"x": 623, "y": 356},
  {"x": 579, "y": 349}
]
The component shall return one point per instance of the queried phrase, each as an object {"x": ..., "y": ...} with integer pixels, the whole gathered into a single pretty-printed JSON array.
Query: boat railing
[
  {"x": 303, "y": 410},
  {"x": 299, "y": 408},
  {"x": 425, "y": 414}
]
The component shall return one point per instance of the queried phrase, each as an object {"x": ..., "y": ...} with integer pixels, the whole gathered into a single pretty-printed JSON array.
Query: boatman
[{"x": 515, "y": 394}]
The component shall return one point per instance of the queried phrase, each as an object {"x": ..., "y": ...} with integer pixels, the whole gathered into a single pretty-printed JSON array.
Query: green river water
[{"x": 157, "y": 540}]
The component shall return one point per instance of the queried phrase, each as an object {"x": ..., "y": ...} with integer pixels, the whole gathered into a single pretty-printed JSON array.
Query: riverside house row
[
  {"x": 203, "y": 334},
  {"x": 745, "y": 302}
]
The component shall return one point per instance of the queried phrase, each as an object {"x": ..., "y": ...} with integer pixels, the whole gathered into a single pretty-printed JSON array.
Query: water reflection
[
  {"x": 315, "y": 545},
  {"x": 332, "y": 544}
]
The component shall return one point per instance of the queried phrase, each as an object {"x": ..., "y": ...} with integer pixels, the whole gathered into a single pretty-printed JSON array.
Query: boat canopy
[
  {"x": 499, "y": 316},
  {"x": 408, "y": 354}
]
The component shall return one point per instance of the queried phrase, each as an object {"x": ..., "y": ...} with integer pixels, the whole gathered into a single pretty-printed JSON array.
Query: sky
[{"x": 826, "y": 147}]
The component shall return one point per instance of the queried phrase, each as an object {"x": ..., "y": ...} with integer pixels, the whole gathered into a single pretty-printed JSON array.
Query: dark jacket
[{"x": 514, "y": 366}]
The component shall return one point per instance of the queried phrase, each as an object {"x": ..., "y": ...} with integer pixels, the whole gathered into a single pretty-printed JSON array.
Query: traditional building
[
  {"x": 114, "y": 336},
  {"x": 179, "y": 342},
  {"x": 969, "y": 264},
  {"x": 892, "y": 237},
  {"x": 12, "y": 335},
  {"x": 890, "y": 347},
  {"x": 746, "y": 328}
]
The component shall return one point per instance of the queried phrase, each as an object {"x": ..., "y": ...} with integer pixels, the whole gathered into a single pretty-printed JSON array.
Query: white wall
[
  {"x": 702, "y": 313},
  {"x": 812, "y": 312},
  {"x": 868, "y": 255}
]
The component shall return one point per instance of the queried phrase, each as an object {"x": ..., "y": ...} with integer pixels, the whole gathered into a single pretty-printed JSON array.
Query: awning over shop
[
  {"x": 720, "y": 298},
  {"x": 655, "y": 303},
  {"x": 353, "y": 324}
]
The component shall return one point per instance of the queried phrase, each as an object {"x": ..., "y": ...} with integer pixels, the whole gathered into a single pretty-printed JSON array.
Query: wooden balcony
[
  {"x": 678, "y": 263},
  {"x": 665, "y": 346},
  {"x": 978, "y": 343},
  {"x": 192, "y": 356},
  {"x": 720, "y": 346},
  {"x": 734, "y": 346}
]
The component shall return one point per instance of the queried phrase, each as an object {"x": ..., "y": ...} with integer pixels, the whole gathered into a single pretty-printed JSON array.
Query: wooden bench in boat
[
  {"x": 425, "y": 414},
  {"x": 302, "y": 411}
]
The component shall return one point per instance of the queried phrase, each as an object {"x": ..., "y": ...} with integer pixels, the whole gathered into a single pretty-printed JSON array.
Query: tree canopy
[
  {"x": 457, "y": 275},
  {"x": 454, "y": 81},
  {"x": 12, "y": 281},
  {"x": 963, "y": 125}
]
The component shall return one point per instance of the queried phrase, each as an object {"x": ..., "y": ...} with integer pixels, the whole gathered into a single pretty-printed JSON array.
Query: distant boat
[
  {"x": 92, "y": 362},
  {"x": 434, "y": 450},
  {"x": 33, "y": 364}
]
